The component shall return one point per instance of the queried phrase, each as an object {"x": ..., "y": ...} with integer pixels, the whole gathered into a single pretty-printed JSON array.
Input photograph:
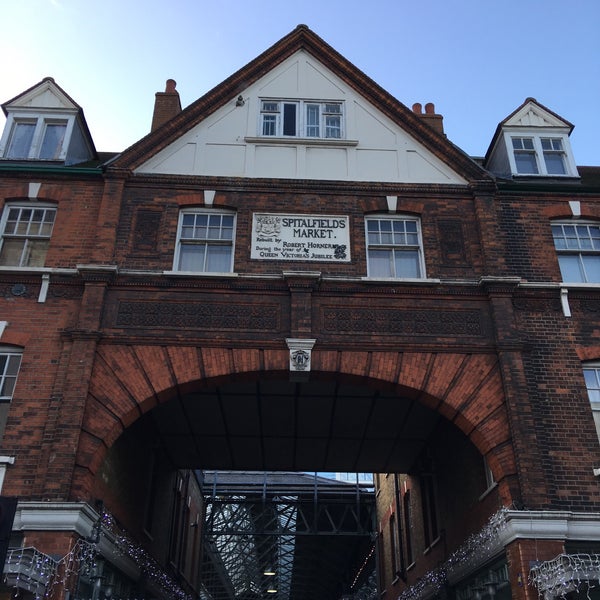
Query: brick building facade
[{"x": 298, "y": 272}]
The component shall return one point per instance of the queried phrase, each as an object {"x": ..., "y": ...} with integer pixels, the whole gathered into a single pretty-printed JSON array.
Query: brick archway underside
[{"x": 404, "y": 394}]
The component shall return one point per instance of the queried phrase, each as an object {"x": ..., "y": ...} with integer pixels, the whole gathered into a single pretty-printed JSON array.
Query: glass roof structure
[{"x": 287, "y": 536}]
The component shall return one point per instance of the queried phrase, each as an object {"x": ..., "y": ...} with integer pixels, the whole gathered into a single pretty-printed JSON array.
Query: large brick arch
[{"x": 129, "y": 380}]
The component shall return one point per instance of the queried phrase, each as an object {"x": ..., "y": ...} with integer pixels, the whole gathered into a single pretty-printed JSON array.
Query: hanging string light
[
  {"x": 566, "y": 573},
  {"x": 480, "y": 544},
  {"x": 38, "y": 573}
]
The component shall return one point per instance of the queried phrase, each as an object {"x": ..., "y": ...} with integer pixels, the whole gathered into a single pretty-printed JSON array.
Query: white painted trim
[
  {"x": 78, "y": 517},
  {"x": 44, "y": 288},
  {"x": 575, "y": 207},
  {"x": 392, "y": 202},
  {"x": 564, "y": 301},
  {"x": 3, "y": 326},
  {"x": 209, "y": 197},
  {"x": 34, "y": 189}
]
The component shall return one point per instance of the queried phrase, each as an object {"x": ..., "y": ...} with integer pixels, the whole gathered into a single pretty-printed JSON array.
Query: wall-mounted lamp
[{"x": 240, "y": 101}]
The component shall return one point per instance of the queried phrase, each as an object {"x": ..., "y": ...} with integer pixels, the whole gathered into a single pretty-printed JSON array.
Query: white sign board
[{"x": 318, "y": 238}]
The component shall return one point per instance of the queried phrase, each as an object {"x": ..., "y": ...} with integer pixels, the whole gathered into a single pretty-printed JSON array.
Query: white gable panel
[
  {"x": 180, "y": 160},
  {"x": 373, "y": 147},
  {"x": 532, "y": 115},
  {"x": 275, "y": 159},
  {"x": 377, "y": 165},
  {"x": 282, "y": 80},
  {"x": 327, "y": 163},
  {"x": 44, "y": 96},
  {"x": 422, "y": 168},
  {"x": 375, "y": 132}
]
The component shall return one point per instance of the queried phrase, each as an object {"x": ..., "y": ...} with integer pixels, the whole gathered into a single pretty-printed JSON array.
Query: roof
[{"x": 301, "y": 38}]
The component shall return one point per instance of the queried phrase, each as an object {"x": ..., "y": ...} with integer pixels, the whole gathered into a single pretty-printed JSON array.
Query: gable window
[
  {"x": 36, "y": 139},
  {"x": 26, "y": 232},
  {"x": 10, "y": 361},
  {"x": 205, "y": 241},
  {"x": 291, "y": 118},
  {"x": 394, "y": 247},
  {"x": 591, "y": 374},
  {"x": 539, "y": 156},
  {"x": 578, "y": 249}
]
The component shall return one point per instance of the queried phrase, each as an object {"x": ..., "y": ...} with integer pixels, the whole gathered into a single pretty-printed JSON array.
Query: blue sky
[{"x": 476, "y": 60}]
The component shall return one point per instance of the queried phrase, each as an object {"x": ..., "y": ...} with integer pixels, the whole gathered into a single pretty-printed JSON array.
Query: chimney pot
[
  {"x": 171, "y": 85},
  {"x": 417, "y": 108},
  {"x": 430, "y": 108}
]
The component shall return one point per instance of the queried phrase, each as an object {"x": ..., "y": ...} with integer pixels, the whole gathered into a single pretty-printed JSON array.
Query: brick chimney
[
  {"x": 166, "y": 105},
  {"x": 433, "y": 120}
]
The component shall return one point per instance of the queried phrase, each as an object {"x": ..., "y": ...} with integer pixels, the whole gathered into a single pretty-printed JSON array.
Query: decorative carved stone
[
  {"x": 192, "y": 315},
  {"x": 300, "y": 353},
  {"x": 401, "y": 322}
]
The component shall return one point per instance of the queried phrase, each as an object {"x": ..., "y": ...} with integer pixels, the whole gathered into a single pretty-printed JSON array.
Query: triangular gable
[
  {"x": 45, "y": 95},
  {"x": 533, "y": 114},
  {"x": 301, "y": 61}
]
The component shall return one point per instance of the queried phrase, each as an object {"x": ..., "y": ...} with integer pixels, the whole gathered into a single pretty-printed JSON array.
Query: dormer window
[
  {"x": 307, "y": 119},
  {"x": 532, "y": 142},
  {"x": 539, "y": 156},
  {"x": 44, "y": 124},
  {"x": 40, "y": 139}
]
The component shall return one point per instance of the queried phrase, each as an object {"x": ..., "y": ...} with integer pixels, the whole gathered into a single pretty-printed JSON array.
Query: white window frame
[
  {"x": 272, "y": 111},
  {"x": 539, "y": 140},
  {"x": 41, "y": 123},
  {"x": 395, "y": 247},
  {"x": 591, "y": 375},
  {"x": 586, "y": 249},
  {"x": 204, "y": 241},
  {"x": 9, "y": 375},
  {"x": 28, "y": 236}
]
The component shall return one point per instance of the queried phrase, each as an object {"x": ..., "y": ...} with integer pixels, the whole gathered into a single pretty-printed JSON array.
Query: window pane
[
  {"x": 9, "y": 368},
  {"x": 191, "y": 257},
  {"x": 555, "y": 165},
  {"x": 333, "y": 127},
  {"x": 570, "y": 268},
  {"x": 12, "y": 250},
  {"x": 36, "y": 253},
  {"x": 289, "y": 119},
  {"x": 559, "y": 241},
  {"x": 591, "y": 266},
  {"x": 20, "y": 142},
  {"x": 53, "y": 140},
  {"x": 12, "y": 368},
  {"x": 312, "y": 120},
  {"x": 526, "y": 162},
  {"x": 219, "y": 259},
  {"x": 380, "y": 263},
  {"x": 407, "y": 263},
  {"x": 269, "y": 126}
]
